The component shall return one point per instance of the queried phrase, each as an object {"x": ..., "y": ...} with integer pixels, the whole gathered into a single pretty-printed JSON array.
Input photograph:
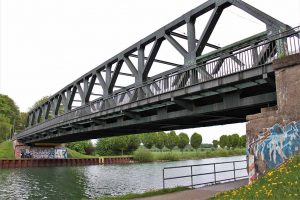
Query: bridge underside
[{"x": 216, "y": 102}]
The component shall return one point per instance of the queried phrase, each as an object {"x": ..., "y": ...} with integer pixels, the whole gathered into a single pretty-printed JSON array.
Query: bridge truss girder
[{"x": 107, "y": 73}]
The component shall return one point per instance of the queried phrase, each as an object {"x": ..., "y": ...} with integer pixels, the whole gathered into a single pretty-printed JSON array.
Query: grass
[
  {"x": 281, "y": 183},
  {"x": 75, "y": 154},
  {"x": 146, "y": 194},
  {"x": 6, "y": 150},
  {"x": 190, "y": 155}
]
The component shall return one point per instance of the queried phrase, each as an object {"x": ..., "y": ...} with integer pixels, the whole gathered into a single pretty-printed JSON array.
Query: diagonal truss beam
[{"x": 84, "y": 84}]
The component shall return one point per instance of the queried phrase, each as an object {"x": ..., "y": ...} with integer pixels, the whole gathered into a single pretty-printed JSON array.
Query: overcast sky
[{"x": 46, "y": 45}]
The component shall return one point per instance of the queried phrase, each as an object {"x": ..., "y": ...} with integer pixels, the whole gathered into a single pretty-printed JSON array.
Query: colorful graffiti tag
[
  {"x": 40, "y": 152},
  {"x": 276, "y": 145}
]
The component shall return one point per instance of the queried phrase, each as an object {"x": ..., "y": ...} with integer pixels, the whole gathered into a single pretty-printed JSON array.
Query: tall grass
[
  {"x": 141, "y": 154},
  {"x": 6, "y": 150}
]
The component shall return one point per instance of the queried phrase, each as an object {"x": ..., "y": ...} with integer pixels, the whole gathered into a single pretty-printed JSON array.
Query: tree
[
  {"x": 23, "y": 120},
  {"x": 171, "y": 140},
  {"x": 160, "y": 139},
  {"x": 215, "y": 143},
  {"x": 89, "y": 148},
  {"x": 223, "y": 141},
  {"x": 5, "y": 128},
  {"x": 9, "y": 109},
  {"x": 79, "y": 146},
  {"x": 235, "y": 139},
  {"x": 104, "y": 147},
  {"x": 133, "y": 143},
  {"x": 120, "y": 143},
  {"x": 243, "y": 141},
  {"x": 196, "y": 141},
  {"x": 148, "y": 140},
  {"x": 183, "y": 140}
]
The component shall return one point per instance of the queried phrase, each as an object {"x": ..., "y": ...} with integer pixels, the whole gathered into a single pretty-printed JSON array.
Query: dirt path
[{"x": 200, "y": 193}]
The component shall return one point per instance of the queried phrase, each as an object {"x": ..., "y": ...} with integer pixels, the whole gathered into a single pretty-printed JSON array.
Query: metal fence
[{"x": 219, "y": 176}]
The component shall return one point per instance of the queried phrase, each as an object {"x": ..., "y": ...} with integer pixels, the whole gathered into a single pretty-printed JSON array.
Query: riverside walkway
[{"x": 200, "y": 193}]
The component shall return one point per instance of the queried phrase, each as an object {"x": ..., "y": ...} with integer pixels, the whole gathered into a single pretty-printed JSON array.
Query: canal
[{"x": 92, "y": 181}]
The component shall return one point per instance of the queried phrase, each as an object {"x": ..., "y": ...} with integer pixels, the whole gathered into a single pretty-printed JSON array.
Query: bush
[
  {"x": 143, "y": 155},
  {"x": 168, "y": 156}
]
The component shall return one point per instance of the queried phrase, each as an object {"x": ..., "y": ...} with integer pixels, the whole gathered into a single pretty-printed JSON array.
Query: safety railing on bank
[{"x": 227, "y": 173}]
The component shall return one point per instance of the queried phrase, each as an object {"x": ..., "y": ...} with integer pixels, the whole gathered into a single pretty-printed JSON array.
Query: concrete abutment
[{"x": 273, "y": 135}]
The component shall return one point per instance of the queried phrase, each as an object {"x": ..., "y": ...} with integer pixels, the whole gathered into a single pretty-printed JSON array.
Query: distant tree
[
  {"x": 215, "y": 143},
  {"x": 79, "y": 146},
  {"x": 133, "y": 143},
  {"x": 40, "y": 101},
  {"x": 120, "y": 143},
  {"x": 196, "y": 141},
  {"x": 235, "y": 139},
  {"x": 5, "y": 128},
  {"x": 9, "y": 109},
  {"x": 171, "y": 140},
  {"x": 223, "y": 142},
  {"x": 23, "y": 120},
  {"x": 243, "y": 141},
  {"x": 183, "y": 141},
  {"x": 89, "y": 148},
  {"x": 160, "y": 139},
  {"x": 104, "y": 147},
  {"x": 148, "y": 140}
]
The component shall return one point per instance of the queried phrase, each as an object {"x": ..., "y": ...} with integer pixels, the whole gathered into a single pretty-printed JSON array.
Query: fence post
[
  {"x": 163, "y": 178},
  {"x": 215, "y": 175},
  {"x": 234, "y": 171},
  {"x": 192, "y": 183}
]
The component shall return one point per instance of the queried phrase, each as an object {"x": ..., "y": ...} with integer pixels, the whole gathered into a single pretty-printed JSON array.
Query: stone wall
[{"x": 273, "y": 134}]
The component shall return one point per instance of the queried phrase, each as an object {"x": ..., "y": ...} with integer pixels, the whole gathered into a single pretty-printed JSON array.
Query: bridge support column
[{"x": 273, "y": 135}]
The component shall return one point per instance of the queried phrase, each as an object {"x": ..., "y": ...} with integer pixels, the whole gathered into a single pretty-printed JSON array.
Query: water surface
[{"x": 97, "y": 180}]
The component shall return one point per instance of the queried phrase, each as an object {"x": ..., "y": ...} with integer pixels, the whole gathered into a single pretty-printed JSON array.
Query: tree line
[
  {"x": 129, "y": 143},
  {"x": 230, "y": 141},
  {"x": 11, "y": 119}
]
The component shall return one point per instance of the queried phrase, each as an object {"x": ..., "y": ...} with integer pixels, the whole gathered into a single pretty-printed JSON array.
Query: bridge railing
[
  {"x": 213, "y": 173},
  {"x": 261, "y": 54}
]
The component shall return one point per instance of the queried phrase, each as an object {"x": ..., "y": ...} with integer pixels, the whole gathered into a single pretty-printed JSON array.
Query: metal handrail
[{"x": 191, "y": 175}]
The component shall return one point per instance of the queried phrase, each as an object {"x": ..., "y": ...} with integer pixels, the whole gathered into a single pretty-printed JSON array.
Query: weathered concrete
[
  {"x": 200, "y": 193},
  {"x": 287, "y": 78}
]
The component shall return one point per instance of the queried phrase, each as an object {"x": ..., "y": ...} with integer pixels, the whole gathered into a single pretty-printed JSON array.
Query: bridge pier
[{"x": 273, "y": 135}]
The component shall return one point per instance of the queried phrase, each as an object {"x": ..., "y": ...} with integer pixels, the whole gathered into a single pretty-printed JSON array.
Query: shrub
[{"x": 143, "y": 155}]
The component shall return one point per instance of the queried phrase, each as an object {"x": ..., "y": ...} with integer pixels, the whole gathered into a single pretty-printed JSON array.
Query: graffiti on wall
[
  {"x": 277, "y": 144},
  {"x": 40, "y": 152}
]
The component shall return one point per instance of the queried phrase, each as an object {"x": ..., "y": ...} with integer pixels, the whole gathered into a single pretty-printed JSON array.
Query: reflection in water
[{"x": 89, "y": 181}]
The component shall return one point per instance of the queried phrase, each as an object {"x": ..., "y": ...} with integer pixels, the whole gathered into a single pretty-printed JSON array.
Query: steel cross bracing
[{"x": 107, "y": 73}]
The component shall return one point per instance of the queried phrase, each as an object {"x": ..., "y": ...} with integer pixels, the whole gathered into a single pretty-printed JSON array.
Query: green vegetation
[
  {"x": 118, "y": 145},
  {"x": 281, "y": 183},
  {"x": 75, "y": 154},
  {"x": 6, "y": 150},
  {"x": 196, "y": 140},
  {"x": 186, "y": 155},
  {"x": 143, "y": 155},
  {"x": 146, "y": 194},
  {"x": 171, "y": 140},
  {"x": 10, "y": 118},
  {"x": 84, "y": 147},
  {"x": 183, "y": 141}
]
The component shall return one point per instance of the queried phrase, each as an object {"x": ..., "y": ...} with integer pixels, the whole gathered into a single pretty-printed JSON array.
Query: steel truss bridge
[{"x": 216, "y": 88}]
